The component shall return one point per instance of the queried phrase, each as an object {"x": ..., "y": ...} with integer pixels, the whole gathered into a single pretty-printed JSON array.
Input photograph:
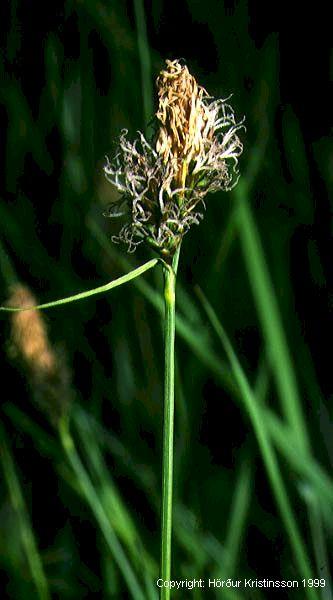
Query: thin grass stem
[
  {"x": 237, "y": 519},
  {"x": 98, "y": 511},
  {"x": 168, "y": 422},
  {"x": 29, "y": 544}
]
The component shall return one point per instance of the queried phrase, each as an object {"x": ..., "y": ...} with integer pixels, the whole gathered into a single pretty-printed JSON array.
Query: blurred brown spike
[{"x": 47, "y": 371}]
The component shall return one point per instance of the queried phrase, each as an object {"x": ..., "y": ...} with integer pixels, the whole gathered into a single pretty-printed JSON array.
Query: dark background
[{"x": 70, "y": 81}]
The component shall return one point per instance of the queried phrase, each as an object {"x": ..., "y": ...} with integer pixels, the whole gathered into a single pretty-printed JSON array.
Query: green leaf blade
[{"x": 99, "y": 290}]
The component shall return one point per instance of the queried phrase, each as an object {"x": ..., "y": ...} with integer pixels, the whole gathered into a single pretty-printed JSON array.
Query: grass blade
[
  {"x": 97, "y": 509},
  {"x": 266, "y": 449},
  {"x": 28, "y": 540},
  {"x": 269, "y": 316},
  {"x": 237, "y": 520},
  {"x": 114, "y": 506},
  {"x": 98, "y": 290}
]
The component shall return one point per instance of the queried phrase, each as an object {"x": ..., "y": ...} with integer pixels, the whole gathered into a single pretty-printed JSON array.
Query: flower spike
[{"x": 195, "y": 151}]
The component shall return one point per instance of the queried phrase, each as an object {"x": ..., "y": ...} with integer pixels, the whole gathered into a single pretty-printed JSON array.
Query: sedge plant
[{"x": 162, "y": 185}]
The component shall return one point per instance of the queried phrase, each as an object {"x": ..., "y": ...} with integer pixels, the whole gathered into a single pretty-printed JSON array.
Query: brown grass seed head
[{"x": 46, "y": 367}]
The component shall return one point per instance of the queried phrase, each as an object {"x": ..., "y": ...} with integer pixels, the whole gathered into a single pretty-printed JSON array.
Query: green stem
[{"x": 168, "y": 426}]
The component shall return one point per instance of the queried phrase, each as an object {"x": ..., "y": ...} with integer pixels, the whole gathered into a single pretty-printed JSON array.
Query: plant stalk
[{"x": 168, "y": 423}]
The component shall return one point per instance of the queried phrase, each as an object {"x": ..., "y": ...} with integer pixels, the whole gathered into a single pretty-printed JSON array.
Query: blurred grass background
[{"x": 79, "y": 513}]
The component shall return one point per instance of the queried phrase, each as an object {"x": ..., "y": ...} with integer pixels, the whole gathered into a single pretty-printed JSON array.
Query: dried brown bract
[{"x": 163, "y": 183}]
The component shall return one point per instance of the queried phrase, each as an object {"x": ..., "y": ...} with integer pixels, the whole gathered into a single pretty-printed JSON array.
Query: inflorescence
[{"x": 162, "y": 184}]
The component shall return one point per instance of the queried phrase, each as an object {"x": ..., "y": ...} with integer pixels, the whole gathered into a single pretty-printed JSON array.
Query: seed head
[
  {"x": 194, "y": 151},
  {"x": 45, "y": 367}
]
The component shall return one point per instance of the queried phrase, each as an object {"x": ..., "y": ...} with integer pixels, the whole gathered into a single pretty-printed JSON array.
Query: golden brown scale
[{"x": 183, "y": 117}]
